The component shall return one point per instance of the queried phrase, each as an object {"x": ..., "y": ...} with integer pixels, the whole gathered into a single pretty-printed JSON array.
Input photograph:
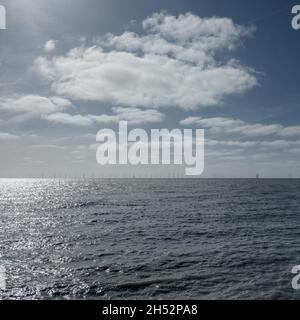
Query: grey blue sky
[{"x": 71, "y": 67}]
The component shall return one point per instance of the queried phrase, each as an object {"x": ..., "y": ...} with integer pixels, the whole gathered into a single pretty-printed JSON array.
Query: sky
[{"x": 69, "y": 68}]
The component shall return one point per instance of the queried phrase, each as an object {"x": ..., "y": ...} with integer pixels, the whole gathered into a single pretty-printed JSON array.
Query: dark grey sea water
[{"x": 149, "y": 239}]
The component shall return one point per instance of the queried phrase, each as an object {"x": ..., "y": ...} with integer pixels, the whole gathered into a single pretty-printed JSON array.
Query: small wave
[{"x": 146, "y": 283}]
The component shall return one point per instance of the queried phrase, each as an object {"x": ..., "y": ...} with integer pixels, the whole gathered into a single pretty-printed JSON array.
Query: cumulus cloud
[
  {"x": 30, "y": 106},
  {"x": 132, "y": 115},
  {"x": 173, "y": 64},
  {"x": 206, "y": 33},
  {"x": 229, "y": 125},
  {"x": 50, "y": 46}
]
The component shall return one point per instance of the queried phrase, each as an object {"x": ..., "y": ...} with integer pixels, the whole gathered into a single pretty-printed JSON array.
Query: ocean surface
[{"x": 149, "y": 239}]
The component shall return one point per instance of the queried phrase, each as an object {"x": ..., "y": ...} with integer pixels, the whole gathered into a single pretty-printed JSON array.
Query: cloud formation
[
  {"x": 277, "y": 144},
  {"x": 207, "y": 34},
  {"x": 8, "y": 136},
  {"x": 229, "y": 125},
  {"x": 50, "y": 46},
  {"x": 25, "y": 107},
  {"x": 132, "y": 115},
  {"x": 173, "y": 64}
]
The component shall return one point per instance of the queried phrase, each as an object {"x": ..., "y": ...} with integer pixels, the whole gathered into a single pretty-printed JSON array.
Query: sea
[{"x": 149, "y": 238}]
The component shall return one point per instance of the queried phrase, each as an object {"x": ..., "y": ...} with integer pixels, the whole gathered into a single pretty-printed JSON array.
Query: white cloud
[
  {"x": 50, "y": 46},
  {"x": 207, "y": 33},
  {"x": 132, "y": 115},
  {"x": 103, "y": 118},
  {"x": 65, "y": 118},
  {"x": 30, "y": 106},
  {"x": 276, "y": 144},
  {"x": 7, "y": 136},
  {"x": 154, "y": 44},
  {"x": 159, "y": 69},
  {"x": 47, "y": 146},
  {"x": 229, "y": 125},
  {"x": 290, "y": 131},
  {"x": 138, "y": 116}
]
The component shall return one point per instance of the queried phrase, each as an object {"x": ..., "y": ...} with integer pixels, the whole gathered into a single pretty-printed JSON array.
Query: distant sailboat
[{"x": 257, "y": 176}]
